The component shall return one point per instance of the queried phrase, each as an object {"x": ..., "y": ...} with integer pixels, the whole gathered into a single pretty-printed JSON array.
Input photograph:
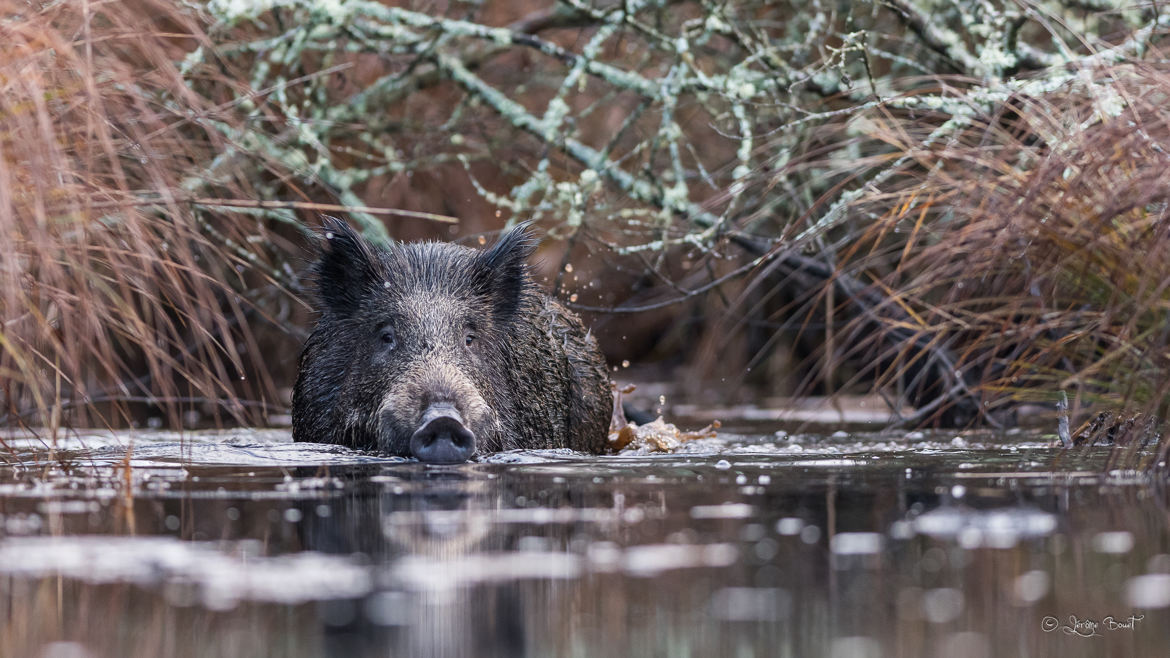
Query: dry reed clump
[
  {"x": 1033, "y": 247},
  {"x": 119, "y": 294}
]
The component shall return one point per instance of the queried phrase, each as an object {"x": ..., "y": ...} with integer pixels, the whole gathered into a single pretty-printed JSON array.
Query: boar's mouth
[{"x": 441, "y": 437}]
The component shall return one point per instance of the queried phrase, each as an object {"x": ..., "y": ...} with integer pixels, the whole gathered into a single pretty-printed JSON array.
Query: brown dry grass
[
  {"x": 1034, "y": 246},
  {"x": 117, "y": 292}
]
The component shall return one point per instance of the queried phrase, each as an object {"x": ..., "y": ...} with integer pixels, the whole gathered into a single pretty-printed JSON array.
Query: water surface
[{"x": 242, "y": 543}]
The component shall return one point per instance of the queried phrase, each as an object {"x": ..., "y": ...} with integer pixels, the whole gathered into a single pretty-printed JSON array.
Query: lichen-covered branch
[{"x": 678, "y": 129}]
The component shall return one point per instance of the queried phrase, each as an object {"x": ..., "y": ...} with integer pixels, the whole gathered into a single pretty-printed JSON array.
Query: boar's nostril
[{"x": 441, "y": 437}]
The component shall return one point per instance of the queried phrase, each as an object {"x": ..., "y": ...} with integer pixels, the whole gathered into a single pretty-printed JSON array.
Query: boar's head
[{"x": 411, "y": 355}]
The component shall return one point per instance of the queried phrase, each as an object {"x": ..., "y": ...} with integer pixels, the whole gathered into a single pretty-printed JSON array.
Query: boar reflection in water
[
  {"x": 439, "y": 352},
  {"x": 436, "y": 517},
  {"x": 427, "y": 512}
]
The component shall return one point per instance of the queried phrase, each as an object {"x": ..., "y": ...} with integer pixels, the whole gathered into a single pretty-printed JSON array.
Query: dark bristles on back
[
  {"x": 504, "y": 269},
  {"x": 346, "y": 268}
]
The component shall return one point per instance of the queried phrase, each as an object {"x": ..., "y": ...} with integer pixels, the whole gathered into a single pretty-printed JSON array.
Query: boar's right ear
[
  {"x": 346, "y": 270},
  {"x": 504, "y": 270}
]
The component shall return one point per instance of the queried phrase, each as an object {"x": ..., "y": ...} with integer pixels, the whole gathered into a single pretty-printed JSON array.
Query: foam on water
[
  {"x": 217, "y": 575},
  {"x": 998, "y": 528},
  {"x": 259, "y": 447}
]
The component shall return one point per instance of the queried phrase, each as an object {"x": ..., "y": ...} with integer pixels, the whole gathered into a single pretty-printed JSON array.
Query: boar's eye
[
  {"x": 387, "y": 338},
  {"x": 469, "y": 338}
]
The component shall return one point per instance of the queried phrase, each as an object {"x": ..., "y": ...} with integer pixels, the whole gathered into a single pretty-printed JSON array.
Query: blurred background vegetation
[{"x": 956, "y": 204}]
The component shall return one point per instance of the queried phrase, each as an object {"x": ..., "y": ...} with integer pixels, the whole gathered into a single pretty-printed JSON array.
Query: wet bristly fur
[{"x": 532, "y": 377}]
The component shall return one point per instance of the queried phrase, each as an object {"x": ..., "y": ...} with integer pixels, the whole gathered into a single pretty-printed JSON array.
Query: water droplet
[
  {"x": 1116, "y": 542},
  {"x": 1148, "y": 591},
  {"x": 789, "y": 525},
  {"x": 810, "y": 534},
  {"x": 856, "y": 543},
  {"x": 942, "y": 605},
  {"x": 1031, "y": 586},
  {"x": 855, "y": 646}
]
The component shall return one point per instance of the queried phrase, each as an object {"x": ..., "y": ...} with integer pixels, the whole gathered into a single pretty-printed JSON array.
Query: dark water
[{"x": 911, "y": 545}]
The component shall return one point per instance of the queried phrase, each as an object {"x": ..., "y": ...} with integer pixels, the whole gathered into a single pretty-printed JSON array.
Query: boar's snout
[{"x": 441, "y": 437}]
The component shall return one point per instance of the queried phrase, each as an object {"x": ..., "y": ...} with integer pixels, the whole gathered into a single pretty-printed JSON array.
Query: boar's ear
[
  {"x": 504, "y": 270},
  {"x": 346, "y": 269}
]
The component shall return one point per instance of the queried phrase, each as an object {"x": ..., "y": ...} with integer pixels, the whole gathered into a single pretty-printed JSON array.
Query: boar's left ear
[
  {"x": 346, "y": 269},
  {"x": 504, "y": 270}
]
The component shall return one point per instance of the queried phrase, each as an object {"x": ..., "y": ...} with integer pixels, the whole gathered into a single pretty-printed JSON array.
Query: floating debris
[{"x": 656, "y": 436}]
